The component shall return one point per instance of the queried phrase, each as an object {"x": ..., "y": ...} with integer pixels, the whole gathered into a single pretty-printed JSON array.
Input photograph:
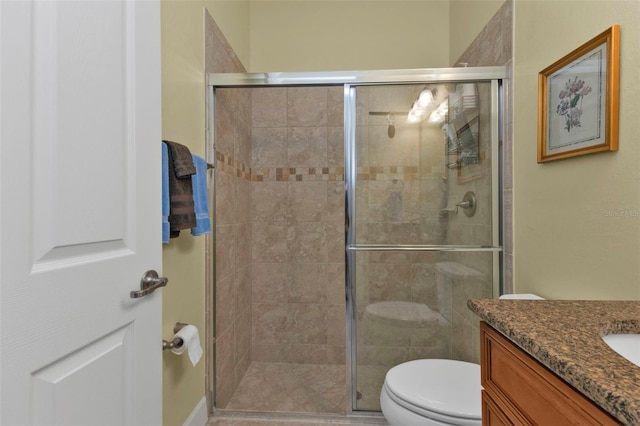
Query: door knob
[{"x": 149, "y": 282}]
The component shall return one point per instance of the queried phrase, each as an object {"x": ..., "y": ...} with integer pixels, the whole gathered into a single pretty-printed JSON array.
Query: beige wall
[
  {"x": 183, "y": 258},
  {"x": 233, "y": 19},
  {"x": 466, "y": 19},
  {"x": 569, "y": 242},
  {"x": 183, "y": 120},
  {"x": 344, "y": 35}
]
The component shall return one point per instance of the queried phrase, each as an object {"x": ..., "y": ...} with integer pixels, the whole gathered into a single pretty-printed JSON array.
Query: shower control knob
[{"x": 468, "y": 204}]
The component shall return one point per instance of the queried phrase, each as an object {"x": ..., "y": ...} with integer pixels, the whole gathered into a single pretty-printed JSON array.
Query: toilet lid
[{"x": 442, "y": 386}]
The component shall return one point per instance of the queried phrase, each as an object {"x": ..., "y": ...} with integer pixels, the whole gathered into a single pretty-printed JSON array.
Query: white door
[{"x": 80, "y": 212}]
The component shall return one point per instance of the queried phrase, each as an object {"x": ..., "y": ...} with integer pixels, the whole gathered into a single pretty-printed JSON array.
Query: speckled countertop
[{"x": 565, "y": 336}]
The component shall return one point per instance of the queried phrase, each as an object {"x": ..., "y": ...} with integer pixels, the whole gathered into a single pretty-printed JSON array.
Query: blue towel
[
  {"x": 165, "y": 193},
  {"x": 200, "y": 197}
]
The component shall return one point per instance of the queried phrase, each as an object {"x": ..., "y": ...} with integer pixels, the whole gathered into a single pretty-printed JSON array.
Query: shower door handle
[{"x": 149, "y": 283}]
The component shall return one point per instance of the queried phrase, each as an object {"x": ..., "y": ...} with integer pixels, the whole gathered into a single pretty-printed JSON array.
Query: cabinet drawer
[
  {"x": 520, "y": 385},
  {"x": 492, "y": 413}
]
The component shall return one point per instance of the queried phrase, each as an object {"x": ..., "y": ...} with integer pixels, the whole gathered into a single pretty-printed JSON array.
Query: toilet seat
[{"x": 445, "y": 390}]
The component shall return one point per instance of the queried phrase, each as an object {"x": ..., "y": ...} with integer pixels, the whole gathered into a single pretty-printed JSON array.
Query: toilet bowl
[
  {"x": 435, "y": 391},
  {"x": 432, "y": 392}
]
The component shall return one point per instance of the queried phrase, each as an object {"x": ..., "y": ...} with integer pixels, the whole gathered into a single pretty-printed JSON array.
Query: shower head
[{"x": 391, "y": 130}]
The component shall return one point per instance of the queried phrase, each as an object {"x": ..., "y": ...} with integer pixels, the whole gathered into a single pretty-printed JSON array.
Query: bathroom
[
  {"x": 90, "y": 88},
  {"x": 535, "y": 225}
]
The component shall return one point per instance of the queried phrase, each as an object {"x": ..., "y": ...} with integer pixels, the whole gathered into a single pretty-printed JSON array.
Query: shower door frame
[{"x": 350, "y": 80}]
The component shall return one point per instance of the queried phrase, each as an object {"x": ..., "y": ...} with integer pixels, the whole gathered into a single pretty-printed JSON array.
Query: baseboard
[{"x": 198, "y": 416}]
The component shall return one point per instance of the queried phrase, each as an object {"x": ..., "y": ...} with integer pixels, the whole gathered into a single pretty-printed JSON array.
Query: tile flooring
[
  {"x": 275, "y": 387},
  {"x": 295, "y": 421},
  {"x": 285, "y": 394}
]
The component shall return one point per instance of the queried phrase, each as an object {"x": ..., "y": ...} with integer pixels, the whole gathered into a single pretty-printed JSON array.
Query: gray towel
[
  {"x": 181, "y": 158},
  {"x": 181, "y": 206}
]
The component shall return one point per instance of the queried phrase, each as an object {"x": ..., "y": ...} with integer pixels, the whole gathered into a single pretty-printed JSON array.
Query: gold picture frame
[{"x": 578, "y": 100}]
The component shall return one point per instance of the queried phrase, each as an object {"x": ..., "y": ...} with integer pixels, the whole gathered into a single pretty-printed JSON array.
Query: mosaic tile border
[
  {"x": 371, "y": 173},
  {"x": 228, "y": 164},
  {"x": 299, "y": 174}
]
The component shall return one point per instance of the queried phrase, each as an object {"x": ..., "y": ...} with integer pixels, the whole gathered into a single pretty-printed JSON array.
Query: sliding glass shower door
[{"x": 423, "y": 221}]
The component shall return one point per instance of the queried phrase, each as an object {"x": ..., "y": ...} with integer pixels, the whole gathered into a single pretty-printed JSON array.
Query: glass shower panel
[
  {"x": 412, "y": 176},
  {"x": 424, "y": 213}
]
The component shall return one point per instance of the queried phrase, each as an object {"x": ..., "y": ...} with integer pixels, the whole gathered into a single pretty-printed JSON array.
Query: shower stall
[{"x": 355, "y": 214}]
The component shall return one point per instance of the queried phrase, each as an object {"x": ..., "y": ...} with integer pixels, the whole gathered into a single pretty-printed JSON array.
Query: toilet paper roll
[{"x": 190, "y": 343}]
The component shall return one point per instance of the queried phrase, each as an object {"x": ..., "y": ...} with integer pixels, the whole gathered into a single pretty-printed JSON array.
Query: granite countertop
[{"x": 565, "y": 336}]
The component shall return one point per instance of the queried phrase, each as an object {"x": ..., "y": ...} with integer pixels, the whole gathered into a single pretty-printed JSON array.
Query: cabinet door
[{"x": 526, "y": 388}]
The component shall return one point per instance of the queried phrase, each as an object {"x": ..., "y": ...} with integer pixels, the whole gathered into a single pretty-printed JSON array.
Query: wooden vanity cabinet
[{"x": 518, "y": 390}]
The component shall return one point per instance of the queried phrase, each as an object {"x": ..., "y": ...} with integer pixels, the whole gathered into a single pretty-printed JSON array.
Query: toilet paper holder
[{"x": 175, "y": 342}]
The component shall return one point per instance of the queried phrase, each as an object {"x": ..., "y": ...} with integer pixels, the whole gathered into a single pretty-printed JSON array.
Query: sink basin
[{"x": 627, "y": 345}]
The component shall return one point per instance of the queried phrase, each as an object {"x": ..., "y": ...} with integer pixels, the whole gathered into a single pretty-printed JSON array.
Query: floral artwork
[
  {"x": 572, "y": 95},
  {"x": 578, "y": 100}
]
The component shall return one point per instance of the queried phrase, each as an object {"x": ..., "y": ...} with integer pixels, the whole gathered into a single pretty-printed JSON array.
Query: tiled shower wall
[
  {"x": 279, "y": 229},
  {"x": 233, "y": 240},
  {"x": 492, "y": 47},
  {"x": 229, "y": 344},
  {"x": 297, "y": 225}
]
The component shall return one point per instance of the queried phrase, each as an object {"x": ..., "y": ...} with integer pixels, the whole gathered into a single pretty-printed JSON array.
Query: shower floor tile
[
  {"x": 291, "y": 388},
  {"x": 291, "y": 422}
]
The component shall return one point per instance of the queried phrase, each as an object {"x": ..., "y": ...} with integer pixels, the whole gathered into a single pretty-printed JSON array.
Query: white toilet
[
  {"x": 432, "y": 392},
  {"x": 435, "y": 391}
]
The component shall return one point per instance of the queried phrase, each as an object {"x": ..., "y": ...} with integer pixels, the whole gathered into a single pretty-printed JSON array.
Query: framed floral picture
[{"x": 578, "y": 100}]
